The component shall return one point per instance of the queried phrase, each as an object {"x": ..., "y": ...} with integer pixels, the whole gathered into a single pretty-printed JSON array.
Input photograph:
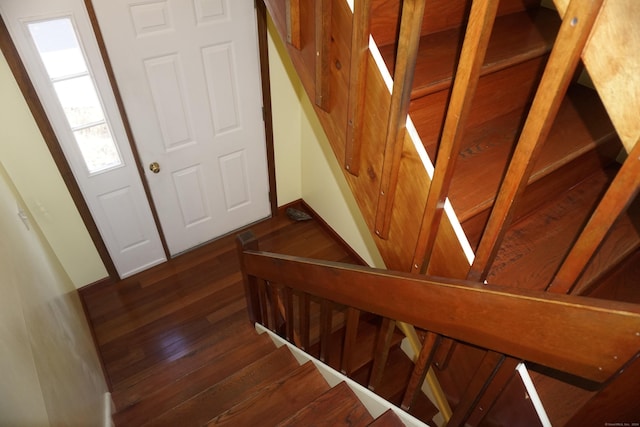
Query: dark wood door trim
[
  {"x": 42, "y": 121},
  {"x": 261, "y": 15}
]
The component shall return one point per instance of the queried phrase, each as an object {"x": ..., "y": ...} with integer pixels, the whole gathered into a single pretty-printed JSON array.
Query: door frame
[{"x": 44, "y": 125}]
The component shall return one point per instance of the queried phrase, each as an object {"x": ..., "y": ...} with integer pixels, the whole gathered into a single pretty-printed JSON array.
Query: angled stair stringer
[{"x": 376, "y": 405}]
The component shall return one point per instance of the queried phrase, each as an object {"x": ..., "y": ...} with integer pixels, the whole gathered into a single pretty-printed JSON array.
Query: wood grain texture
[{"x": 339, "y": 404}]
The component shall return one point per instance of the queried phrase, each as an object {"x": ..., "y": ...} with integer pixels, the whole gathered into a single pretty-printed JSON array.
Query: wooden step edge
[
  {"x": 620, "y": 282},
  {"x": 622, "y": 242},
  {"x": 387, "y": 419},
  {"x": 276, "y": 401},
  {"x": 149, "y": 380},
  {"x": 438, "y": 52},
  {"x": 339, "y": 406},
  {"x": 230, "y": 391}
]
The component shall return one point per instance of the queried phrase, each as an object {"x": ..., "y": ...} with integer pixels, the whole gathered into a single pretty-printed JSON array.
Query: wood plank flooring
[{"x": 157, "y": 327}]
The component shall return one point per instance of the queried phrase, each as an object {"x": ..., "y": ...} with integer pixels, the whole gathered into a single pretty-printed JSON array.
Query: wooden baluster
[
  {"x": 565, "y": 55},
  {"x": 503, "y": 375},
  {"x": 325, "y": 329},
  {"x": 383, "y": 343},
  {"x": 476, "y": 40},
  {"x": 491, "y": 366},
  {"x": 350, "y": 334},
  {"x": 274, "y": 306},
  {"x": 408, "y": 42},
  {"x": 621, "y": 193},
  {"x": 264, "y": 300},
  {"x": 247, "y": 241},
  {"x": 422, "y": 365},
  {"x": 293, "y": 23},
  {"x": 323, "y": 53},
  {"x": 357, "y": 83},
  {"x": 288, "y": 313},
  {"x": 304, "y": 310}
]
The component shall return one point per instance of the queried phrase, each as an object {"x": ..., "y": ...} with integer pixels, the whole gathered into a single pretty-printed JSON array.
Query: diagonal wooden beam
[{"x": 408, "y": 42}]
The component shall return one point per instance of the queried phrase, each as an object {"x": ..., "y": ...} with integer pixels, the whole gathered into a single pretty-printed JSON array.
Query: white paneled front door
[{"x": 188, "y": 72}]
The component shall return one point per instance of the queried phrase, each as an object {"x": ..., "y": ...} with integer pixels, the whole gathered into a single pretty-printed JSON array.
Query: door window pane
[
  {"x": 79, "y": 101},
  {"x": 63, "y": 58},
  {"x": 58, "y": 47},
  {"x": 98, "y": 150}
]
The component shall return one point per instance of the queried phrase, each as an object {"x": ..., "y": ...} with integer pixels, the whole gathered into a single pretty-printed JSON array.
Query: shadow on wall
[{"x": 51, "y": 373}]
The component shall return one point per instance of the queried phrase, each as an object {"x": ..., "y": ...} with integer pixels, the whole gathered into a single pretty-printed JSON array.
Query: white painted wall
[
  {"x": 50, "y": 371},
  {"x": 305, "y": 164},
  {"x": 29, "y": 164}
]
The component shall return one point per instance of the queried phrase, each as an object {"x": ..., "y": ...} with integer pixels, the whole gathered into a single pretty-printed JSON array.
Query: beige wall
[
  {"x": 30, "y": 166},
  {"x": 50, "y": 370},
  {"x": 301, "y": 147}
]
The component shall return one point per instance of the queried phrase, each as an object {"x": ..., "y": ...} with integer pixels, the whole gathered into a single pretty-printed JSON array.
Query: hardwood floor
[{"x": 157, "y": 327}]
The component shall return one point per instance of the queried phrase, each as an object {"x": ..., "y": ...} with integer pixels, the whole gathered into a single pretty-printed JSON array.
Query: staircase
[
  {"x": 254, "y": 382},
  {"x": 509, "y": 171}
]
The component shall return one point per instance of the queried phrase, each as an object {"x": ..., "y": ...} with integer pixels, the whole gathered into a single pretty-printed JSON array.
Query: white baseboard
[{"x": 108, "y": 409}]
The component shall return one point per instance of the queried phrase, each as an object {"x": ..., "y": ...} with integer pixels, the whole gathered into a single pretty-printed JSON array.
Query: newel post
[{"x": 247, "y": 241}]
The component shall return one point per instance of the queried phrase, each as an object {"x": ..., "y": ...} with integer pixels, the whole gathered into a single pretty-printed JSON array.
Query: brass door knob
[{"x": 154, "y": 167}]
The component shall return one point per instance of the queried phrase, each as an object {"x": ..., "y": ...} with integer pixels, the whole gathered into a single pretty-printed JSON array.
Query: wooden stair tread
[
  {"x": 230, "y": 391},
  {"x": 172, "y": 394},
  {"x": 582, "y": 126},
  {"x": 622, "y": 283},
  {"x": 275, "y": 402},
  {"x": 516, "y": 38},
  {"x": 231, "y": 333},
  {"x": 387, "y": 419},
  {"x": 339, "y": 406},
  {"x": 529, "y": 257}
]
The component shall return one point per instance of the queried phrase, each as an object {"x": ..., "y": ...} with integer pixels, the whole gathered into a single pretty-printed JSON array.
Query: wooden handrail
[
  {"x": 408, "y": 42},
  {"x": 565, "y": 55},
  {"x": 593, "y": 339}
]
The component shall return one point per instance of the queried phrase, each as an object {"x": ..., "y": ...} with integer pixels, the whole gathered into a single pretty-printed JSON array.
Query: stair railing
[{"x": 597, "y": 340}]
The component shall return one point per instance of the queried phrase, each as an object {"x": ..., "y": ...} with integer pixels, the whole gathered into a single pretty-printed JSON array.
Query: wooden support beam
[
  {"x": 350, "y": 335},
  {"x": 381, "y": 353},
  {"x": 422, "y": 366},
  {"x": 325, "y": 329},
  {"x": 294, "y": 37},
  {"x": 305, "y": 319},
  {"x": 357, "y": 83},
  {"x": 622, "y": 191},
  {"x": 565, "y": 55},
  {"x": 475, "y": 44},
  {"x": 408, "y": 42},
  {"x": 481, "y": 389},
  {"x": 323, "y": 53},
  {"x": 246, "y": 241}
]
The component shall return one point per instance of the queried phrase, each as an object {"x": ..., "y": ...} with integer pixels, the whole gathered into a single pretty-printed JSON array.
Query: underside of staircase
[{"x": 353, "y": 82}]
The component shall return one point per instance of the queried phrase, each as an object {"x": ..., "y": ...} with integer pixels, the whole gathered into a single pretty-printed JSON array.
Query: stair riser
[
  {"x": 545, "y": 188},
  {"x": 439, "y": 15},
  {"x": 497, "y": 94}
]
